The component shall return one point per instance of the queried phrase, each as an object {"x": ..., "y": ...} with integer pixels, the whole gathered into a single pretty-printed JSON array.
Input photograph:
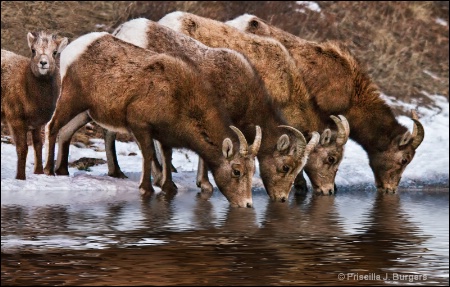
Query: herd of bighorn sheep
[{"x": 192, "y": 82}]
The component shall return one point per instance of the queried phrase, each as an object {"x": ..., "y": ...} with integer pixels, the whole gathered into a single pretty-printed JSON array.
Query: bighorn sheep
[
  {"x": 338, "y": 84},
  {"x": 240, "y": 89},
  {"x": 279, "y": 74},
  {"x": 30, "y": 88},
  {"x": 125, "y": 88}
]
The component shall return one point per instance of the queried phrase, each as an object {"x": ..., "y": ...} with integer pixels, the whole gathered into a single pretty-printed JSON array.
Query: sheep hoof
[
  {"x": 169, "y": 187},
  {"x": 117, "y": 174},
  {"x": 146, "y": 190},
  {"x": 62, "y": 171},
  {"x": 49, "y": 171}
]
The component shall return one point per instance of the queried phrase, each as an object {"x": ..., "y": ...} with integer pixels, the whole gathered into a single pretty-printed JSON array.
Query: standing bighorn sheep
[
  {"x": 125, "y": 88},
  {"x": 240, "y": 89},
  {"x": 337, "y": 83},
  {"x": 30, "y": 88},
  {"x": 282, "y": 79}
]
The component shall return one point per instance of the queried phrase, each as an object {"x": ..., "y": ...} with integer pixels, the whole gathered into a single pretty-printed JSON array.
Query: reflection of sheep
[
  {"x": 280, "y": 75},
  {"x": 338, "y": 84},
  {"x": 29, "y": 92},
  {"x": 126, "y": 88}
]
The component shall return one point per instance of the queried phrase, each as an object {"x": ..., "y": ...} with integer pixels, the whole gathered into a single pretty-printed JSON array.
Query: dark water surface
[{"x": 353, "y": 238}]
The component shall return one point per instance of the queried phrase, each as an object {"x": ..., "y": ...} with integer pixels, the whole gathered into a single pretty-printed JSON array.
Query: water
[{"x": 358, "y": 237}]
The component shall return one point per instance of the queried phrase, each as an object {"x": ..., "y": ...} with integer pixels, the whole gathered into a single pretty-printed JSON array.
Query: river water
[{"x": 357, "y": 237}]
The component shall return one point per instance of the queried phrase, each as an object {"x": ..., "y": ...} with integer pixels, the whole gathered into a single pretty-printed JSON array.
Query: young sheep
[
  {"x": 125, "y": 88},
  {"x": 30, "y": 88},
  {"x": 281, "y": 77},
  {"x": 338, "y": 84}
]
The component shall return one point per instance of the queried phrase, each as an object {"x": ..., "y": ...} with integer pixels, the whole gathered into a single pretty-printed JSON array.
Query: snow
[{"x": 313, "y": 6}]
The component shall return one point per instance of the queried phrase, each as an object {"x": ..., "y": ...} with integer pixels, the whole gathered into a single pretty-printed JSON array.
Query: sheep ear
[
  {"x": 30, "y": 37},
  {"x": 254, "y": 23},
  {"x": 283, "y": 142},
  {"x": 191, "y": 25},
  {"x": 62, "y": 44},
  {"x": 405, "y": 139},
  {"x": 325, "y": 137},
  {"x": 227, "y": 148}
]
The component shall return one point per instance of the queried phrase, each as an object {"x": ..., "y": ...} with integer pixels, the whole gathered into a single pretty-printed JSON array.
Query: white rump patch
[
  {"x": 240, "y": 22},
  {"x": 172, "y": 20},
  {"x": 75, "y": 49},
  {"x": 134, "y": 32}
]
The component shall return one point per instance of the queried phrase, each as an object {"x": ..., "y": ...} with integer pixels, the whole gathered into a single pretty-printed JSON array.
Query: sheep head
[
  {"x": 279, "y": 169},
  {"x": 324, "y": 161},
  {"x": 44, "y": 49},
  {"x": 235, "y": 173},
  {"x": 388, "y": 165}
]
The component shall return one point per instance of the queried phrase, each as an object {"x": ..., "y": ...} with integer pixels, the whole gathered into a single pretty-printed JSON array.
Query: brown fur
[
  {"x": 153, "y": 96},
  {"x": 338, "y": 83},
  {"x": 241, "y": 90},
  {"x": 28, "y": 97},
  {"x": 276, "y": 67}
]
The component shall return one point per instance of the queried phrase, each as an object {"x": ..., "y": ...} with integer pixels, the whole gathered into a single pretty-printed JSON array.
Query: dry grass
[{"x": 397, "y": 41}]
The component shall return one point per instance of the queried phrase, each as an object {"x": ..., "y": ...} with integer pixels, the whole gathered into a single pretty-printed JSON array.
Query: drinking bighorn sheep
[
  {"x": 246, "y": 101},
  {"x": 338, "y": 83},
  {"x": 125, "y": 88},
  {"x": 281, "y": 77},
  {"x": 30, "y": 88}
]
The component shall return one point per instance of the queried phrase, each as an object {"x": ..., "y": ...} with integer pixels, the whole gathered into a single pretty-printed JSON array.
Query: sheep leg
[
  {"x": 147, "y": 147},
  {"x": 60, "y": 118},
  {"x": 203, "y": 180},
  {"x": 64, "y": 137},
  {"x": 168, "y": 186},
  {"x": 37, "y": 145},
  {"x": 300, "y": 183},
  {"x": 19, "y": 133},
  {"x": 111, "y": 155},
  {"x": 157, "y": 172}
]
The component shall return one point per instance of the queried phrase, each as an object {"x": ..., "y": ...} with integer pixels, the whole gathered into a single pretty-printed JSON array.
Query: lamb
[
  {"x": 339, "y": 84},
  {"x": 279, "y": 73},
  {"x": 125, "y": 88},
  {"x": 30, "y": 89},
  {"x": 246, "y": 101}
]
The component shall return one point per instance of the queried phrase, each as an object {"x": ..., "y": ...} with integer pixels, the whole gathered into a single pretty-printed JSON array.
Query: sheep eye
[
  {"x": 236, "y": 172},
  {"x": 331, "y": 160},
  {"x": 254, "y": 24},
  {"x": 55, "y": 52},
  {"x": 33, "y": 51},
  {"x": 285, "y": 168},
  {"x": 404, "y": 161}
]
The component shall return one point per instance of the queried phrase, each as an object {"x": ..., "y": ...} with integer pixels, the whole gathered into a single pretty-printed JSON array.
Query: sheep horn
[
  {"x": 243, "y": 145},
  {"x": 315, "y": 137},
  {"x": 342, "y": 133},
  {"x": 418, "y": 132},
  {"x": 254, "y": 148},
  {"x": 346, "y": 125},
  {"x": 301, "y": 141}
]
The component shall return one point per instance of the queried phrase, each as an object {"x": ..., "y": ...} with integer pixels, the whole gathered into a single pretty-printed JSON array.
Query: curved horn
[
  {"x": 254, "y": 148},
  {"x": 243, "y": 145},
  {"x": 315, "y": 137},
  {"x": 346, "y": 125},
  {"x": 301, "y": 141},
  {"x": 341, "y": 138},
  {"x": 418, "y": 132}
]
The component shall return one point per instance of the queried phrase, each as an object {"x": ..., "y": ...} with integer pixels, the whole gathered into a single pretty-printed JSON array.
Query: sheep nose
[
  {"x": 283, "y": 199},
  {"x": 249, "y": 205},
  {"x": 43, "y": 63}
]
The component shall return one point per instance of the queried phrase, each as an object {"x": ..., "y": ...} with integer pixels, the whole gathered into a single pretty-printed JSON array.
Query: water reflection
[{"x": 183, "y": 240}]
